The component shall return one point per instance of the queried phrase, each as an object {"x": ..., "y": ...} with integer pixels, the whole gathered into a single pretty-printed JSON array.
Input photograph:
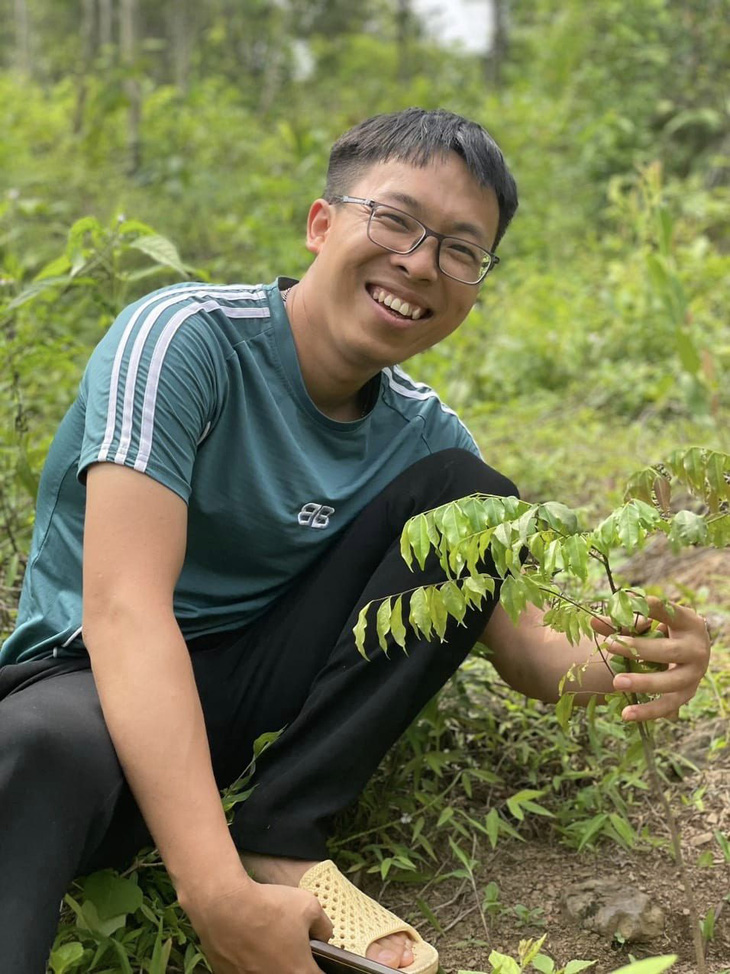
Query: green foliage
[
  {"x": 530, "y": 957},
  {"x": 541, "y": 555}
]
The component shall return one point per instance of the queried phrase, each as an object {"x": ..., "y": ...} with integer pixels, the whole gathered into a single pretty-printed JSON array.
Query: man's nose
[{"x": 421, "y": 263}]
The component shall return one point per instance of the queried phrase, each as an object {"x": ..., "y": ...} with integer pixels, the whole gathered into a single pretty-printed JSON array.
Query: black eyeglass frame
[{"x": 427, "y": 232}]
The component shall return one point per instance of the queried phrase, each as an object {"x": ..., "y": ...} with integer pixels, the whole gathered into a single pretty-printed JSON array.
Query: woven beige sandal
[{"x": 359, "y": 920}]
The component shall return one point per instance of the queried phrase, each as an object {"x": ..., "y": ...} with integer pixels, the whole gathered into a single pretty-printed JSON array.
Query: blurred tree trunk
[
  {"x": 496, "y": 57},
  {"x": 87, "y": 56},
  {"x": 278, "y": 34},
  {"x": 403, "y": 20},
  {"x": 128, "y": 47},
  {"x": 22, "y": 37},
  {"x": 106, "y": 14},
  {"x": 179, "y": 30}
]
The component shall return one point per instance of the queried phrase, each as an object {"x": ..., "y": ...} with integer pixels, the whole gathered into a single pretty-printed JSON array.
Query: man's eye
[
  {"x": 463, "y": 252},
  {"x": 393, "y": 221}
]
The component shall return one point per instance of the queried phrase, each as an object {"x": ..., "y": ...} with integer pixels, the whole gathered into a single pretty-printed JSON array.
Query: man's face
[{"x": 352, "y": 274}]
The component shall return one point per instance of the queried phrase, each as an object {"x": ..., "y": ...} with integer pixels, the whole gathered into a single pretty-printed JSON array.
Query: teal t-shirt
[{"x": 199, "y": 387}]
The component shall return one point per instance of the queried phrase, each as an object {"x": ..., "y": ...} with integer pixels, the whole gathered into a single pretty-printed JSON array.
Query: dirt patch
[{"x": 532, "y": 876}]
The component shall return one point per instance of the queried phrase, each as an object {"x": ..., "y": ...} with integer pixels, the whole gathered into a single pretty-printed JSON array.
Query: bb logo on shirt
[{"x": 315, "y": 515}]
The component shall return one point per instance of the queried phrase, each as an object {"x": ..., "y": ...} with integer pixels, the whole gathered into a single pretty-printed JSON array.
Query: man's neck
[{"x": 337, "y": 390}]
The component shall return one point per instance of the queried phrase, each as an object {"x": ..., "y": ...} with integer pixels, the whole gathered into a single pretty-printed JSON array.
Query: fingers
[
  {"x": 651, "y": 650},
  {"x": 320, "y": 925},
  {"x": 669, "y": 681},
  {"x": 666, "y": 706},
  {"x": 673, "y": 615}
]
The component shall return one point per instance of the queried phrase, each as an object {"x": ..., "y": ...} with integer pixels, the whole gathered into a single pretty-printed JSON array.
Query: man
[{"x": 239, "y": 464}]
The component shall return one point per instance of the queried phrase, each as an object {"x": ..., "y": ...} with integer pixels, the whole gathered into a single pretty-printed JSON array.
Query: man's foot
[{"x": 393, "y": 951}]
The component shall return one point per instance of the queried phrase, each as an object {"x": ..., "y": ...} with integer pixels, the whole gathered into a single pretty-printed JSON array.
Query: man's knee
[{"x": 62, "y": 742}]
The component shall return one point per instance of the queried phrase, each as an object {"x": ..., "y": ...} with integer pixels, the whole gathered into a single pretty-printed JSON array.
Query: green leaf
[
  {"x": 651, "y": 965},
  {"x": 628, "y": 526},
  {"x": 66, "y": 956},
  {"x": 620, "y": 610},
  {"x": 522, "y": 799},
  {"x": 502, "y": 964},
  {"x": 575, "y": 966},
  {"x": 112, "y": 895},
  {"x": 480, "y": 585},
  {"x": 592, "y": 828},
  {"x": 454, "y": 600},
  {"x": 623, "y": 829},
  {"x": 455, "y": 524},
  {"x": 57, "y": 268},
  {"x": 575, "y": 552},
  {"x": 687, "y": 528},
  {"x": 559, "y": 517},
  {"x": 544, "y": 964},
  {"x": 383, "y": 623},
  {"x": 397, "y": 629},
  {"x": 360, "y": 628},
  {"x": 161, "y": 250},
  {"x": 529, "y": 950},
  {"x": 430, "y": 916},
  {"x": 512, "y": 597},
  {"x": 418, "y": 536},
  {"x": 160, "y": 954},
  {"x": 492, "y": 826},
  {"x": 437, "y": 611},
  {"x": 264, "y": 741},
  {"x": 687, "y": 351},
  {"x": 564, "y": 709},
  {"x": 418, "y": 613},
  {"x": 718, "y": 531},
  {"x": 405, "y": 549},
  {"x": 553, "y": 560},
  {"x": 693, "y": 462},
  {"x": 716, "y": 471},
  {"x": 724, "y": 843}
]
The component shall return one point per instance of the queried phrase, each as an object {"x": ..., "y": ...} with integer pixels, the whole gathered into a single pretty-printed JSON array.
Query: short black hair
[{"x": 416, "y": 136}]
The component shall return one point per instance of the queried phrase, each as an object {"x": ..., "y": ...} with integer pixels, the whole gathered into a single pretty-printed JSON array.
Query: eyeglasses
[{"x": 401, "y": 233}]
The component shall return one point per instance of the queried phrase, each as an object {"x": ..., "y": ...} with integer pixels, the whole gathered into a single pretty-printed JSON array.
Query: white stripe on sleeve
[
  {"x": 232, "y": 292},
  {"x": 158, "y": 357}
]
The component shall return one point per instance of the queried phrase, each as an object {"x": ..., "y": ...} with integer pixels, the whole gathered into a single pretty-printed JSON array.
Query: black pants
[{"x": 65, "y": 808}]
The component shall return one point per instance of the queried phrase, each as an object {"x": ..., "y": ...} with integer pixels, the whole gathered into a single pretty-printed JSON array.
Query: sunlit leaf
[
  {"x": 418, "y": 612},
  {"x": 397, "y": 629},
  {"x": 161, "y": 250},
  {"x": 383, "y": 623}
]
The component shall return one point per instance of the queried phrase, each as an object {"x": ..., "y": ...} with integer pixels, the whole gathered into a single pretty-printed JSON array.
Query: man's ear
[{"x": 319, "y": 222}]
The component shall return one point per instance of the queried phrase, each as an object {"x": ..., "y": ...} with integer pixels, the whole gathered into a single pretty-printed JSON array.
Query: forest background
[{"x": 143, "y": 142}]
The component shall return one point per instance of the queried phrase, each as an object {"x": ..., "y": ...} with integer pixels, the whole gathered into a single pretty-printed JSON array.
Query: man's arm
[
  {"x": 533, "y": 659},
  {"x": 134, "y": 545}
]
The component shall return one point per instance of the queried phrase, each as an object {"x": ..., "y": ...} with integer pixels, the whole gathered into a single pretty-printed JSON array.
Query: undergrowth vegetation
[{"x": 599, "y": 346}]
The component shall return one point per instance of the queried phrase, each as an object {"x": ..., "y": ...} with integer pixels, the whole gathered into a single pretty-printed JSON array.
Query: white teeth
[{"x": 402, "y": 307}]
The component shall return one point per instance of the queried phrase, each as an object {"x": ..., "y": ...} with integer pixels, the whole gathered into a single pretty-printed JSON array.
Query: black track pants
[{"x": 65, "y": 808}]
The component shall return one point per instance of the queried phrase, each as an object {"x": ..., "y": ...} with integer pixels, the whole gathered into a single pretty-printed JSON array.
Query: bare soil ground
[{"x": 534, "y": 873}]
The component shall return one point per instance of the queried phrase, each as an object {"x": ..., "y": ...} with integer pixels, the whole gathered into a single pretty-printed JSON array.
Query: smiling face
[{"x": 353, "y": 281}]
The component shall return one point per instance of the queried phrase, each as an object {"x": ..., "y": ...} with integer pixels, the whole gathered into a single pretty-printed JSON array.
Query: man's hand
[
  {"x": 685, "y": 650},
  {"x": 258, "y": 929}
]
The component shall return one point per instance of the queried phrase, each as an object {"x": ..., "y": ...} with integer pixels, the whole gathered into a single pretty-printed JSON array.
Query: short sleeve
[
  {"x": 151, "y": 391},
  {"x": 465, "y": 441}
]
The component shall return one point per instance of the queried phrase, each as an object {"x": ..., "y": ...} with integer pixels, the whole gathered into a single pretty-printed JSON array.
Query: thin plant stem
[{"x": 656, "y": 783}]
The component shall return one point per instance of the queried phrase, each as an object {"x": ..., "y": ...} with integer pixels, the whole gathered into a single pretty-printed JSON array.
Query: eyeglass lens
[{"x": 401, "y": 233}]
